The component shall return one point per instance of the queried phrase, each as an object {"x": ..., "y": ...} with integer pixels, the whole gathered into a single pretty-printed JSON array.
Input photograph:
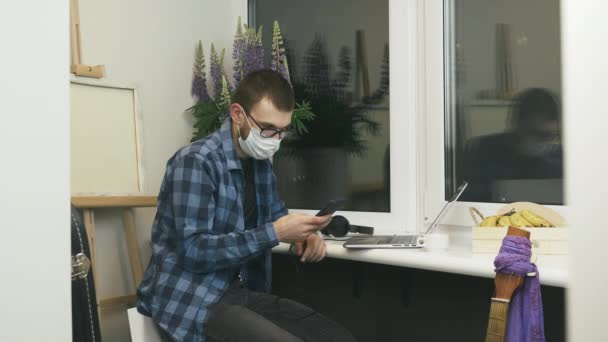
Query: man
[
  {"x": 218, "y": 218},
  {"x": 530, "y": 150}
]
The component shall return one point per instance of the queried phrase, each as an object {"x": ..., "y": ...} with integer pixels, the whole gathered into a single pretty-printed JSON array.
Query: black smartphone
[{"x": 331, "y": 207}]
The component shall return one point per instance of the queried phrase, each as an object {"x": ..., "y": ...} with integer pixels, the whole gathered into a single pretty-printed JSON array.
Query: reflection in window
[
  {"x": 337, "y": 53},
  {"x": 503, "y": 99}
]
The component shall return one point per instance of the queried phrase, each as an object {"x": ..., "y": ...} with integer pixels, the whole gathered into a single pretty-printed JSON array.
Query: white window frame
[
  {"x": 405, "y": 18},
  {"x": 433, "y": 139}
]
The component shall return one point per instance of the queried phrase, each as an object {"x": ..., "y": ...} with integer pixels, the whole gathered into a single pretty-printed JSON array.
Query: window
[
  {"x": 338, "y": 56},
  {"x": 502, "y": 100}
]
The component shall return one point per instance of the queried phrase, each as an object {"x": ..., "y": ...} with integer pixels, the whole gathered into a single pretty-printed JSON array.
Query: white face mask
[{"x": 257, "y": 146}]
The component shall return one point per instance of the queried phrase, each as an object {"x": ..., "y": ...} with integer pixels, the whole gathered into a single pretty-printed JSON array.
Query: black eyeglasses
[{"x": 271, "y": 132}]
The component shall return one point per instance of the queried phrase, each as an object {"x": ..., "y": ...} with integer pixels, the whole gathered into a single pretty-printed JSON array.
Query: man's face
[
  {"x": 265, "y": 115},
  {"x": 540, "y": 129}
]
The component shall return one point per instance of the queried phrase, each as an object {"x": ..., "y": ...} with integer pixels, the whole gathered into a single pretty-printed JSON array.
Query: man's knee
[
  {"x": 342, "y": 334},
  {"x": 334, "y": 331},
  {"x": 317, "y": 326}
]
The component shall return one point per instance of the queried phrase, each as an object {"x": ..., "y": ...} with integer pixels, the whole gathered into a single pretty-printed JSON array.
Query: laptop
[{"x": 402, "y": 241}]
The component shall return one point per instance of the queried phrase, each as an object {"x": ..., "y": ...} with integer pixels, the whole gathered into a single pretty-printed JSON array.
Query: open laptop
[{"x": 402, "y": 241}]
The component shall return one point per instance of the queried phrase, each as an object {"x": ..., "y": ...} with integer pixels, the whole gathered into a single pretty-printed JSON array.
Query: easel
[
  {"x": 77, "y": 68},
  {"x": 127, "y": 203}
]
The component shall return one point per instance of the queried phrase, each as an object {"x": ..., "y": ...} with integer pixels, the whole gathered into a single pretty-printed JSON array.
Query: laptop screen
[{"x": 444, "y": 210}]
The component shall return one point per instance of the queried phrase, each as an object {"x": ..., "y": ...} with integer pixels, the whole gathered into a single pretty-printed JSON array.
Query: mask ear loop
[{"x": 239, "y": 127}]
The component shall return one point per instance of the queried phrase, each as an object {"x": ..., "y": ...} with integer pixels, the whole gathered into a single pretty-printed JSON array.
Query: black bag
[{"x": 85, "y": 320}]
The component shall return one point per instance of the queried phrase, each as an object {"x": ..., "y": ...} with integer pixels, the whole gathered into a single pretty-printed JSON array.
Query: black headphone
[{"x": 339, "y": 227}]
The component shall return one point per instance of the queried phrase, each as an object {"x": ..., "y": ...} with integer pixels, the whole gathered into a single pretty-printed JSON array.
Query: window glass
[
  {"x": 337, "y": 53},
  {"x": 503, "y": 100}
]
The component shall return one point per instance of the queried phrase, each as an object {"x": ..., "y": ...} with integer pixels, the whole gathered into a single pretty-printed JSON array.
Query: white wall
[
  {"x": 150, "y": 44},
  {"x": 585, "y": 75},
  {"x": 34, "y": 144}
]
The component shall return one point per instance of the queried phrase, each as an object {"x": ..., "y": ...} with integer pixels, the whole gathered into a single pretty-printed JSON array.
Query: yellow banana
[
  {"x": 535, "y": 219},
  {"x": 519, "y": 221},
  {"x": 504, "y": 221},
  {"x": 489, "y": 221}
]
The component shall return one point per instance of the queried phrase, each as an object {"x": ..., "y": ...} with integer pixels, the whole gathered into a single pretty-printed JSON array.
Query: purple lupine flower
[
  {"x": 284, "y": 71},
  {"x": 215, "y": 70},
  {"x": 276, "y": 54},
  {"x": 254, "y": 51},
  {"x": 279, "y": 60},
  {"x": 224, "y": 75},
  {"x": 224, "y": 100},
  {"x": 199, "y": 78},
  {"x": 199, "y": 89},
  {"x": 259, "y": 51},
  {"x": 249, "y": 51},
  {"x": 238, "y": 48}
]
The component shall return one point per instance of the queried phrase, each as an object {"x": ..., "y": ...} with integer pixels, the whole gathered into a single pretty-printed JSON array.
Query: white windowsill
[{"x": 553, "y": 269}]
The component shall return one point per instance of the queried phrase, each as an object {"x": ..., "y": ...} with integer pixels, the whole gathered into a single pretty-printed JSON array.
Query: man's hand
[
  {"x": 313, "y": 249},
  {"x": 297, "y": 227}
]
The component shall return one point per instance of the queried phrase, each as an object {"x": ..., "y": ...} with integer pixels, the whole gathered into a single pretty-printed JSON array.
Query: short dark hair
[
  {"x": 265, "y": 83},
  {"x": 535, "y": 101}
]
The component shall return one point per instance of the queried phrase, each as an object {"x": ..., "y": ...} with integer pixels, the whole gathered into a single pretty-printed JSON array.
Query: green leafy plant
[
  {"x": 208, "y": 115},
  {"x": 340, "y": 122},
  {"x": 302, "y": 113}
]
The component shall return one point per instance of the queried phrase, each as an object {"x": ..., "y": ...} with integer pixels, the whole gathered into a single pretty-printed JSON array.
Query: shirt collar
[{"x": 225, "y": 132}]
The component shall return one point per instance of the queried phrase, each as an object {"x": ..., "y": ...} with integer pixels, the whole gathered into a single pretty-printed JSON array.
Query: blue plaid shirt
[{"x": 199, "y": 241}]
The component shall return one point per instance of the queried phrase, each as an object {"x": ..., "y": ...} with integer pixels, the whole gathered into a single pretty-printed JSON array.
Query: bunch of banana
[
  {"x": 519, "y": 221},
  {"x": 535, "y": 219},
  {"x": 523, "y": 218},
  {"x": 505, "y": 221},
  {"x": 489, "y": 221}
]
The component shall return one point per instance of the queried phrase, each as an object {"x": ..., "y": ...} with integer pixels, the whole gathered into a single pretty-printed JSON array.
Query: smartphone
[{"x": 331, "y": 207}]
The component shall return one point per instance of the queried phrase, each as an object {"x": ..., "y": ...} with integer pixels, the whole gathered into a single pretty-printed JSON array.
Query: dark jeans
[{"x": 245, "y": 315}]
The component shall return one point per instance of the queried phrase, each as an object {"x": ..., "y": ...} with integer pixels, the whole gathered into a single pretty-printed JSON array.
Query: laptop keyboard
[
  {"x": 405, "y": 240},
  {"x": 397, "y": 240}
]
